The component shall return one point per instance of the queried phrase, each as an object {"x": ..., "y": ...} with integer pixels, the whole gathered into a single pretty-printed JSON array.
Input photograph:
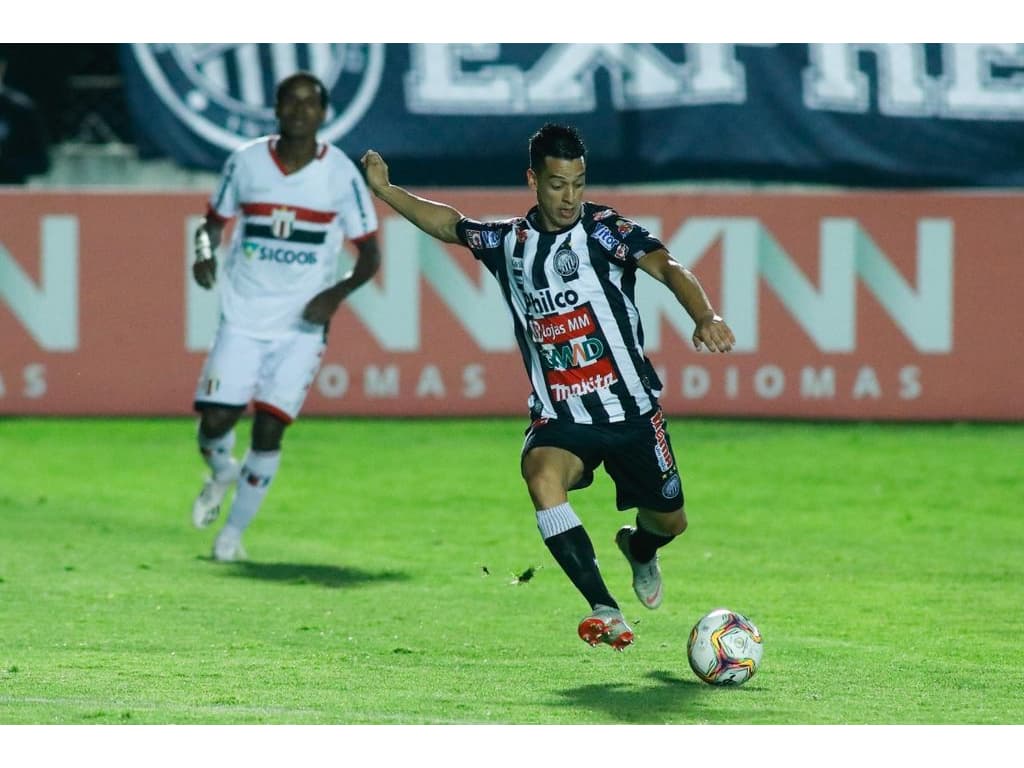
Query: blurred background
[{"x": 851, "y": 209}]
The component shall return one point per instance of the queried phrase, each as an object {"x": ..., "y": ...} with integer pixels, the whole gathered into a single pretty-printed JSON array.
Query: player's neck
[{"x": 295, "y": 152}]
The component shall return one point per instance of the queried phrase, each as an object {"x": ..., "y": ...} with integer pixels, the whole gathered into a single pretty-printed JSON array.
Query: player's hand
[
  {"x": 205, "y": 272},
  {"x": 713, "y": 333},
  {"x": 376, "y": 171},
  {"x": 321, "y": 308}
]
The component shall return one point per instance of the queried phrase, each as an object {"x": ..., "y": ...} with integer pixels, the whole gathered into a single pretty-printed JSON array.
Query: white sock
[
  {"x": 216, "y": 452},
  {"x": 556, "y": 520},
  {"x": 258, "y": 470}
]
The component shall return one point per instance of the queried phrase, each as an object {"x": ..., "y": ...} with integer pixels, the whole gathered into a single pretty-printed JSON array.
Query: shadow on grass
[
  {"x": 668, "y": 698},
  {"x": 330, "y": 576}
]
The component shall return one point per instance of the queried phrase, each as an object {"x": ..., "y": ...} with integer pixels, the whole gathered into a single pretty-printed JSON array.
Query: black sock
[
  {"x": 575, "y": 553},
  {"x": 643, "y": 544}
]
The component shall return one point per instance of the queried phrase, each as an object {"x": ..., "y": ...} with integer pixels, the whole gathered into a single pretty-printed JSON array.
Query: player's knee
[
  {"x": 666, "y": 523},
  {"x": 216, "y": 422},
  {"x": 267, "y": 432}
]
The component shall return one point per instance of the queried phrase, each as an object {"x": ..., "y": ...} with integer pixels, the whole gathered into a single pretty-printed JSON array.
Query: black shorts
[{"x": 637, "y": 454}]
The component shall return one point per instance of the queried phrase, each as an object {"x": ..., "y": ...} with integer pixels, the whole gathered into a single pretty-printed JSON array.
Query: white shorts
[{"x": 275, "y": 374}]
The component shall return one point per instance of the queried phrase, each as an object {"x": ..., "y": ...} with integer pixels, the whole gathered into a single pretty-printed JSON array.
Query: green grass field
[{"x": 882, "y": 564}]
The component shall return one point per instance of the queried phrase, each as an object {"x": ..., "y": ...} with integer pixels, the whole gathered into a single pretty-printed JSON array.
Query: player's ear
[{"x": 531, "y": 179}]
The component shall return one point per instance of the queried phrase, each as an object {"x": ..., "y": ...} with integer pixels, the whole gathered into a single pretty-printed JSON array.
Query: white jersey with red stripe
[{"x": 289, "y": 229}]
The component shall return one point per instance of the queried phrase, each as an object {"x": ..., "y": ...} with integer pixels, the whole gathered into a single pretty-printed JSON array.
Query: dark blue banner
[{"x": 889, "y": 115}]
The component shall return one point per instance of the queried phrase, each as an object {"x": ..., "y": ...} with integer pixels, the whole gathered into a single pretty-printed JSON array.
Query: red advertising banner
[{"x": 849, "y": 306}]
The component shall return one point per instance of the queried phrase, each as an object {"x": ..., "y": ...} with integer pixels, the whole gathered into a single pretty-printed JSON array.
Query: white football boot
[
  {"x": 646, "y": 576},
  {"x": 206, "y": 507},
  {"x": 227, "y": 547},
  {"x": 606, "y": 625}
]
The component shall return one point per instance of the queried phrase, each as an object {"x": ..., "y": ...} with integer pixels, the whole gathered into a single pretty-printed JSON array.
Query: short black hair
[
  {"x": 309, "y": 77},
  {"x": 552, "y": 140}
]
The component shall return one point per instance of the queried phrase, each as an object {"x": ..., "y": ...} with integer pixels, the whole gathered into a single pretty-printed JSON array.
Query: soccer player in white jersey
[
  {"x": 295, "y": 201},
  {"x": 568, "y": 271}
]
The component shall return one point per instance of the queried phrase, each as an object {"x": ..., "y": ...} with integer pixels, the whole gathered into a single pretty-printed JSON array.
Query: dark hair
[
  {"x": 310, "y": 78},
  {"x": 561, "y": 141}
]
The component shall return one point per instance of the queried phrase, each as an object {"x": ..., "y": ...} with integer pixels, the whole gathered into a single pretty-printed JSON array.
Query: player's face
[
  {"x": 559, "y": 186},
  {"x": 299, "y": 113}
]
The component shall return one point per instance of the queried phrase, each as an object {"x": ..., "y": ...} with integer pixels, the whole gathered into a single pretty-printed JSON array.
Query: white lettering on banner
[
  {"x": 816, "y": 384},
  {"x": 827, "y": 315},
  {"x": 973, "y": 92},
  {"x": 33, "y": 377},
  {"x": 430, "y": 383},
  {"x": 50, "y": 312},
  {"x": 769, "y": 382},
  {"x": 333, "y": 382},
  {"x": 380, "y": 383},
  {"x": 564, "y": 78},
  {"x": 474, "y": 385},
  {"x": 833, "y": 79}
]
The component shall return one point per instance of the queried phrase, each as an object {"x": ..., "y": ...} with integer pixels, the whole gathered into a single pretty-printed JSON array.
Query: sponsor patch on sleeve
[{"x": 604, "y": 236}]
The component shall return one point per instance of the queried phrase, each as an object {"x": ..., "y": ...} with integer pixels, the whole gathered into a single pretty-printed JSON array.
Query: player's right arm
[
  {"x": 436, "y": 219},
  {"x": 207, "y": 238}
]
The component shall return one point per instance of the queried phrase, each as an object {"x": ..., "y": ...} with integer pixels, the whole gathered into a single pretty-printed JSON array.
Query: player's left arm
[
  {"x": 711, "y": 330},
  {"x": 321, "y": 308}
]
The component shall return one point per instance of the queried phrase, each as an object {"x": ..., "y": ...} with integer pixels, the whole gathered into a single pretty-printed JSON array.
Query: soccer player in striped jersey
[
  {"x": 567, "y": 270},
  {"x": 296, "y": 200}
]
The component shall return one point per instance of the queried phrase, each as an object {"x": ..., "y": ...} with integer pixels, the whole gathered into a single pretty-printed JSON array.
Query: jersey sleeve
[
  {"x": 623, "y": 239},
  {"x": 357, "y": 214},
  {"x": 223, "y": 203},
  {"x": 485, "y": 239}
]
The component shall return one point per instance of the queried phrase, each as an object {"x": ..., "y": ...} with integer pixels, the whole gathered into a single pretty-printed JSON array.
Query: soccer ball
[{"x": 724, "y": 648}]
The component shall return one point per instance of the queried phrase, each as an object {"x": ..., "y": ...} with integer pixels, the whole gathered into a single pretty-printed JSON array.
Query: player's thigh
[
  {"x": 229, "y": 374},
  {"x": 288, "y": 372},
  {"x": 578, "y": 452},
  {"x": 643, "y": 466}
]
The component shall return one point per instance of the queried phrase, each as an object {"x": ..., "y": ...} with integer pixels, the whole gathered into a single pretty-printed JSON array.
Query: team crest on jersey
[
  {"x": 473, "y": 239},
  {"x": 567, "y": 263},
  {"x": 224, "y": 92},
  {"x": 282, "y": 222},
  {"x": 624, "y": 226},
  {"x": 621, "y": 252}
]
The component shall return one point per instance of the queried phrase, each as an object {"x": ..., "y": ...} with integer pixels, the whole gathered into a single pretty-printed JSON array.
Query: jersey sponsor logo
[
  {"x": 545, "y": 302},
  {"x": 577, "y": 382},
  {"x": 560, "y": 328},
  {"x": 279, "y": 255},
  {"x": 282, "y": 221},
  {"x": 224, "y": 92},
  {"x": 567, "y": 263},
  {"x": 604, "y": 236},
  {"x": 576, "y": 354},
  {"x": 662, "y": 452},
  {"x": 491, "y": 238}
]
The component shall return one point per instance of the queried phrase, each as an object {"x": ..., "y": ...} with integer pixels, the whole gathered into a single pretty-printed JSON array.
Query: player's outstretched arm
[
  {"x": 436, "y": 219},
  {"x": 711, "y": 330}
]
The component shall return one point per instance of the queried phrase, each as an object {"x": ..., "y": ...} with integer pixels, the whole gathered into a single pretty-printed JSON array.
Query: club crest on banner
[{"x": 224, "y": 92}]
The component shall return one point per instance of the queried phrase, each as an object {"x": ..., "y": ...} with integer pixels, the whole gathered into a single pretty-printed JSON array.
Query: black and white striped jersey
[{"x": 571, "y": 295}]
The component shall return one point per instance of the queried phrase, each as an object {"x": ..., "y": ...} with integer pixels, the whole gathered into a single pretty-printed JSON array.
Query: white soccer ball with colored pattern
[{"x": 725, "y": 648}]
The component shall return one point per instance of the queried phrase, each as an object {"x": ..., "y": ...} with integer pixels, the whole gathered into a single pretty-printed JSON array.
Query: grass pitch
[{"x": 387, "y": 581}]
